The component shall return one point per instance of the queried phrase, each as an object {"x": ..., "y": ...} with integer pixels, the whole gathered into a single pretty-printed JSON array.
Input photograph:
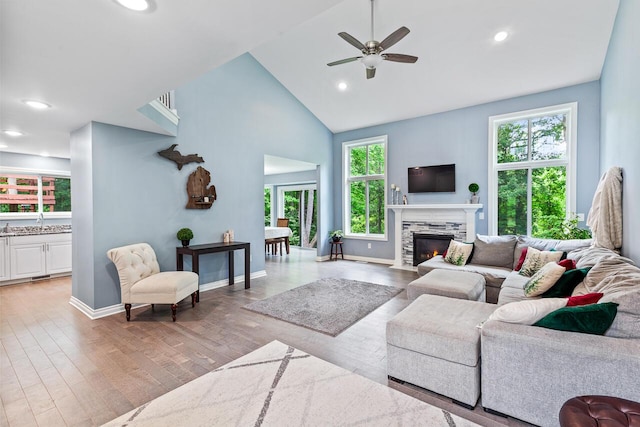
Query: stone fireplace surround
[{"x": 456, "y": 219}]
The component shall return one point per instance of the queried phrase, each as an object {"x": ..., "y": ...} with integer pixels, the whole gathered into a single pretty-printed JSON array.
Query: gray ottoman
[
  {"x": 449, "y": 283},
  {"x": 434, "y": 343}
]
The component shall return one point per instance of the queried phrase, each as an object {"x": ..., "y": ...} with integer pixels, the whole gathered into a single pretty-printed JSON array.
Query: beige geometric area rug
[{"x": 278, "y": 385}]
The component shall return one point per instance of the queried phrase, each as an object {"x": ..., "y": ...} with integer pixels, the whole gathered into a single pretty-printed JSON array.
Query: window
[
  {"x": 24, "y": 193},
  {"x": 532, "y": 170},
  {"x": 267, "y": 206},
  {"x": 365, "y": 174}
]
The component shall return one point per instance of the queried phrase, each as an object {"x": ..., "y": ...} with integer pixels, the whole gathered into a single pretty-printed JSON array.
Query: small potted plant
[
  {"x": 474, "y": 188},
  {"x": 184, "y": 234},
  {"x": 336, "y": 235}
]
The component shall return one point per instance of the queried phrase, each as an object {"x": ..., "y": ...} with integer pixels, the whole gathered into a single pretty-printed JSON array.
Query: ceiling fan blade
[
  {"x": 352, "y": 41},
  {"x": 371, "y": 73},
  {"x": 344, "y": 61},
  {"x": 394, "y": 38},
  {"x": 398, "y": 57}
]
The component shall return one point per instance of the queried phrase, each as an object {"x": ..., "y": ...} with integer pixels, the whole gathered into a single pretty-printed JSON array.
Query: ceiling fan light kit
[{"x": 372, "y": 54}]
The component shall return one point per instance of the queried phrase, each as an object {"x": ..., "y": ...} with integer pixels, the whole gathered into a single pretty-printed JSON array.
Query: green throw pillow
[
  {"x": 567, "y": 283},
  {"x": 589, "y": 319}
]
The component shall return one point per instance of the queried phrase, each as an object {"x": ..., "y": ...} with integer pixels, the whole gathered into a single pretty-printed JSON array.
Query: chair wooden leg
[
  {"x": 280, "y": 244},
  {"x": 174, "y": 308},
  {"x": 193, "y": 299},
  {"x": 127, "y": 308},
  {"x": 153, "y": 307}
]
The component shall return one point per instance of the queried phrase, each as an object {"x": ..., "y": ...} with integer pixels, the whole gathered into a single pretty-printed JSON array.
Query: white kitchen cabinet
[
  {"x": 58, "y": 255},
  {"x": 4, "y": 258},
  {"x": 40, "y": 255}
]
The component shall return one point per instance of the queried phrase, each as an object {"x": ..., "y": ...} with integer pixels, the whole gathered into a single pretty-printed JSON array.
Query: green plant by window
[
  {"x": 336, "y": 233},
  {"x": 563, "y": 229}
]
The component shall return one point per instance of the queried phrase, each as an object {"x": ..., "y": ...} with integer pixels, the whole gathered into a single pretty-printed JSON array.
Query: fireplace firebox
[{"x": 426, "y": 246}]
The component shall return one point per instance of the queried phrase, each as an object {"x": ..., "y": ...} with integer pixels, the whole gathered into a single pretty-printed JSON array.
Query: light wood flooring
[{"x": 59, "y": 368}]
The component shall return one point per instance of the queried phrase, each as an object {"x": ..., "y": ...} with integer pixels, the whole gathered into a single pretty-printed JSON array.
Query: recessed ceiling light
[
  {"x": 501, "y": 36},
  {"x": 12, "y": 132},
  {"x": 342, "y": 86},
  {"x": 4, "y": 146},
  {"x": 38, "y": 105},
  {"x": 44, "y": 154},
  {"x": 137, "y": 5}
]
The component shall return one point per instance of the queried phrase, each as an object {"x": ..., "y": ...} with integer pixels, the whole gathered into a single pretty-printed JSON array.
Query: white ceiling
[
  {"x": 552, "y": 44},
  {"x": 94, "y": 60},
  {"x": 274, "y": 165}
]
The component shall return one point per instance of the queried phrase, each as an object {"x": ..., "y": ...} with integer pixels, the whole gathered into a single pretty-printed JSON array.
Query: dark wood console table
[{"x": 210, "y": 248}]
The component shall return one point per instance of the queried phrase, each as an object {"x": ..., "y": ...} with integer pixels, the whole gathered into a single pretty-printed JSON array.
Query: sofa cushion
[
  {"x": 440, "y": 327},
  {"x": 584, "y": 299},
  {"x": 458, "y": 253},
  {"x": 567, "y": 246},
  {"x": 543, "y": 279},
  {"x": 496, "y": 251},
  {"x": 589, "y": 319},
  {"x": 527, "y": 312},
  {"x": 494, "y": 276},
  {"x": 627, "y": 321},
  {"x": 565, "y": 285},
  {"x": 508, "y": 295},
  {"x": 537, "y": 259}
]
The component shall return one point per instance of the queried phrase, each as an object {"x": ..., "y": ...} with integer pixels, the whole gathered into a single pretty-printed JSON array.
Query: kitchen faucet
[{"x": 40, "y": 220}]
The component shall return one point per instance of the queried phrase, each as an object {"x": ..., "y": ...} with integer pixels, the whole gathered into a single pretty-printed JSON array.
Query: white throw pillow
[
  {"x": 527, "y": 312},
  {"x": 458, "y": 253},
  {"x": 536, "y": 259},
  {"x": 544, "y": 279}
]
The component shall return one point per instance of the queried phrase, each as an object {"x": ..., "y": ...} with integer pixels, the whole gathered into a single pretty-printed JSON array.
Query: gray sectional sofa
[{"x": 528, "y": 372}]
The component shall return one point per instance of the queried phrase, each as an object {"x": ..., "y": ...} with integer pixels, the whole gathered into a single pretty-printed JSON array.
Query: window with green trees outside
[
  {"x": 531, "y": 182},
  {"x": 365, "y": 178}
]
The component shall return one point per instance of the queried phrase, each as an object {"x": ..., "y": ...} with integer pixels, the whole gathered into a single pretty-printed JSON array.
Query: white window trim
[
  {"x": 346, "y": 194},
  {"x": 37, "y": 172},
  {"x": 283, "y": 189},
  {"x": 571, "y": 109}
]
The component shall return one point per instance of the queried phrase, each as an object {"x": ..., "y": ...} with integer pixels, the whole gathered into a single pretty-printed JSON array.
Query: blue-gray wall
[
  {"x": 232, "y": 117},
  {"x": 620, "y": 115},
  {"x": 460, "y": 137}
]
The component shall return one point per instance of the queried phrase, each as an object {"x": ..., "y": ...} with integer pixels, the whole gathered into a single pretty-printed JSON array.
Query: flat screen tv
[{"x": 432, "y": 179}]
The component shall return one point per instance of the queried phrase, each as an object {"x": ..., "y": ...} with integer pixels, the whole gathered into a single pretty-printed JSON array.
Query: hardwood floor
[{"x": 59, "y": 368}]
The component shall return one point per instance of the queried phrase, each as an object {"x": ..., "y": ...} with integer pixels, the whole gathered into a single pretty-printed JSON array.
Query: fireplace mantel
[{"x": 460, "y": 212}]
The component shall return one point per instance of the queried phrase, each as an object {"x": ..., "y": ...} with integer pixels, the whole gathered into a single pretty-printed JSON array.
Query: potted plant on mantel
[
  {"x": 185, "y": 235},
  {"x": 336, "y": 235},
  {"x": 474, "y": 188}
]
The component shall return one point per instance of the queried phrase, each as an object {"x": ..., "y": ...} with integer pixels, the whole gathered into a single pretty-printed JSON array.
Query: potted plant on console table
[
  {"x": 185, "y": 235},
  {"x": 336, "y": 235}
]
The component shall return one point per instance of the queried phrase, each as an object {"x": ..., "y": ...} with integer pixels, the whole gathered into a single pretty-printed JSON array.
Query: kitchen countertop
[{"x": 35, "y": 230}]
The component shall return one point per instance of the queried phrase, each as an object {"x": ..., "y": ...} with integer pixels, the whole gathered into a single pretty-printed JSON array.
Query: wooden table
[{"x": 211, "y": 248}]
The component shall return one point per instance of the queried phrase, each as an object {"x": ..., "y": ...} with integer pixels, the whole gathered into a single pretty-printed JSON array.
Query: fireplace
[{"x": 426, "y": 246}]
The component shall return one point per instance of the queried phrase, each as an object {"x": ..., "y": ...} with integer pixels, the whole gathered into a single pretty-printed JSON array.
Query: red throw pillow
[
  {"x": 523, "y": 255},
  {"x": 568, "y": 264},
  {"x": 584, "y": 299}
]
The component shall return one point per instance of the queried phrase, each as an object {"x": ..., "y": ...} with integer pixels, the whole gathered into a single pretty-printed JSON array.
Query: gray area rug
[
  {"x": 327, "y": 305},
  {"x": 278, "y": 385}
]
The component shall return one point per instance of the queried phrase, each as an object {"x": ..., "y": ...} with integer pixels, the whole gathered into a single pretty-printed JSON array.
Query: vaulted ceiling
[{"x": 94, "y": 60}]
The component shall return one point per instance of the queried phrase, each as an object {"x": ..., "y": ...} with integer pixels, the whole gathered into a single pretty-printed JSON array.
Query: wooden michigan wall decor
[
  {"x": 172, "y": 154},
  {"x": 201, "y": 195}
]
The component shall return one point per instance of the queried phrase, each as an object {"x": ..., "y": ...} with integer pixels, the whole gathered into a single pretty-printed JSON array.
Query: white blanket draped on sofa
[{"x": 605, "y": 216}]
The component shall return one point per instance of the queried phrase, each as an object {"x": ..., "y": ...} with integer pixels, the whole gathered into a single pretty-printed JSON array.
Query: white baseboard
[
  {"x": 98, "y": 313},
  {"x": 360, "y": 259}
]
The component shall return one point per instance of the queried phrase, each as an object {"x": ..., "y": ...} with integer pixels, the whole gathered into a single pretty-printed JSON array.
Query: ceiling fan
[{"x": 372, "y": 50}]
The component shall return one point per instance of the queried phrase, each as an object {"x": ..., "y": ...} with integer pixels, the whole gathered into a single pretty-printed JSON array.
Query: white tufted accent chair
[{"x": 142, "y": 282}]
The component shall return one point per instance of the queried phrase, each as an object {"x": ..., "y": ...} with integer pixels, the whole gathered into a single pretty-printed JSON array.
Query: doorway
[{"x": 299, "y": 203}]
